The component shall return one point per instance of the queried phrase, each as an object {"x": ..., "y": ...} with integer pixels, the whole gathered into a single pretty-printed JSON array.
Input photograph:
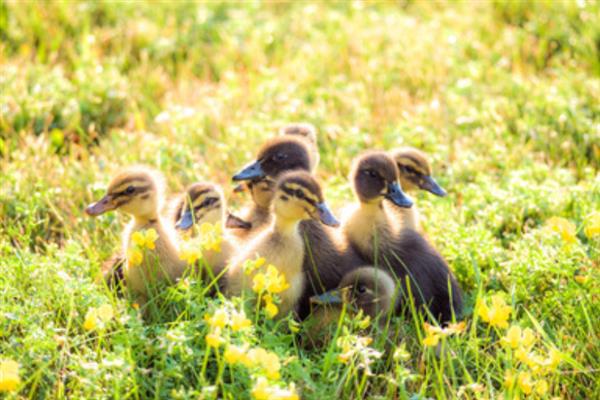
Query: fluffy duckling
[
  {"x": 139, "y": 192},
  {"x": 309, "y": 132},
  {"x": 400, "y": 250},
  {"x": 283, "y": 153},
  {"x": 415, "y": 174},
  {"x": 297, "y": 197},
  {"x": 201, "y": 203},
  {"x": 328, "y": 254}
]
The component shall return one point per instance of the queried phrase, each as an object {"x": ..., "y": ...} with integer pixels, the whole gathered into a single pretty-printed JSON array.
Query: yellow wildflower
[
  {"x": 145, "y": 239},
  {"x": 497, "y": 314},
  {"x": 528, "y": 339},
  {"x": 541, "y": 387},
  {"x": 431, "y": 340},
  {"x": 91, "y": 319},
  {"x": 105, "y": 312},
  {"x": 136, "y": 306},
  {"x": 219, "y": 319},
  {"x": 267, "y": 361},
  {"x": 235, "y": 354},
  {"x": 525, "y": 383},
  {"x": 259, "y": 283},
  {"x": 134, "y": 257},
  {"x": 271, "y": 309},
  {"x": 239, "y": 321},
  {"x": 592, "y": 225},
  {"x": 211, "y": 236},
  {"x": 365, "y": 322},
  {"x": 214, "y": 339},
  {"x": 276, "y": 282},
  {"x": 250, "y": 266},
  {"x": 9, "y": 375},
  {"x": 190, "y": 252},
  {"x": 513, "y": 337},
  {"x": 263, "y": 391},
  {"x": 564, "y": 227}
]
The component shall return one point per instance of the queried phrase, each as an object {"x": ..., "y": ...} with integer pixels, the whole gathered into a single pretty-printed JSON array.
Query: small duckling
[
  {"x": 297, "y": 197},
  {"x": 204, "y": 202},
  {"x": 309, "y": 132},
  {"x": 283, "y": 153},
  {"x": 139, "y": 192},
  {"x": 398, "y": 249},
  {"x": 367, "y": 289},
  {"x": 415, "y": 173}
]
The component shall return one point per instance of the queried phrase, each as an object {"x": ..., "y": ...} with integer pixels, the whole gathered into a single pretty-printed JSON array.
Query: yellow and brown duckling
[
  {"x": 204, "y": 203},
  {"x": 139, "y": 192},
  {"x": 415, "y": 174},
  {"x": 377, "y": 235},
  {"x": 283, "y": 153},
  {"x": 297, "y": 197},
  {"x": 369, "y": 290}
]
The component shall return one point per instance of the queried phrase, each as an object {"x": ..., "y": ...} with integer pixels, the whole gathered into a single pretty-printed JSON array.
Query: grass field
[{"x": 504, "y": 96}]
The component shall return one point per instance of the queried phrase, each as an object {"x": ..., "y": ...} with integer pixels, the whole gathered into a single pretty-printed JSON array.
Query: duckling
[
  {"x": 390, "y": 245},
  {"x": 139, "y": 192},
  {"x": 328, "y": 254},
  {"x": 283, "y": 153},
  {"x": 309, "y": 132},
  {"x": 415, "y": 173},
  {"x": 297, "y": 197},
  {"x": 367, "y": 289}
]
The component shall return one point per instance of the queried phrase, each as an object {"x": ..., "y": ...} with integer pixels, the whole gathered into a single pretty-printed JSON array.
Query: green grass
[{"x": 504, "y": 96}]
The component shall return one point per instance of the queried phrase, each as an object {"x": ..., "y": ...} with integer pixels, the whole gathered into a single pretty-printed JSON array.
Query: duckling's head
[
  {"x": 375, "y": 177},
  {"x": 369, "y": 289},
  {"x": 276, "y": 156},
  {"x": 415, "y": 171},
  {"x": 136, "y": 191},
  {"x": 298, "y": 196},
  {"x": 202, "y": 202},
  {"x": 309, "y": 133}
]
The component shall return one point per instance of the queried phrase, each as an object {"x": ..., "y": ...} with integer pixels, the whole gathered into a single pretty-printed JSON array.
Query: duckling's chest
[{"x": 369, "y": 232}]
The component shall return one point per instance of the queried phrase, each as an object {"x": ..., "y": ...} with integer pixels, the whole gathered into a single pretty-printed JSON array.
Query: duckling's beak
[
  {"x": 186, "y": 221},
  {"x": 331, "y": 297},
  {"x": 103, "y": 205},
  {"x": 326, "y": 216},
  {"x": 235, "y": 222},
  {"x": 397, "y": 196},
  {"x": 429, "y": 184},
  {"x": 250, "y": 171}
]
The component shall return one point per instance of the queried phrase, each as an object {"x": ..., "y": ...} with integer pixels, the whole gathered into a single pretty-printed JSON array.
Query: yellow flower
[
  {"x": 136, "y": 306},
  {"x": 214, "y": 339},
  {"x": 276, "y": 282},
  {"x": 235, "y": 354},
  {"x": 267, "y": 361},
  {"x": 541, "y": 387},
  {"x": 431, "y": 340},
  {"x": 509, "y": 379},
  {"x": 528, "y": 339},
  {"x": 259, "y": 283},
  {"x": 525, "y": 383},
  {"x": 211, "y": 236},
  {"x": 190, "y": 252},
  {"x": 513, "y": 337},
  {"x": 105, "y": 312},
  {"x": 581, "y": 279},
  {"x": 239, "y": 321},
  {"x": 219, "y": 319},
  {"x": 263, "y": 391},
  {"x": 91, "y": 319},
  {"x": 252, "y": 265},
  {"x": 9, "y": 375},
  {"x": 134, "y": 257},
  {"x": 271, "y": 309},
  {"x": 592, "y": 225},
  {"x": 564, "y": 227},
  {"x": 497, "y": 314},
  {"x": 145, "y": 239}
]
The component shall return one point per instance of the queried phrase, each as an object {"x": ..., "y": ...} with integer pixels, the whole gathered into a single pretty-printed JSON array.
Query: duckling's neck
[
  {"x": 371, "y": 209},
  {"x": 146, "y": 219},
  {"x": 286, "y": 226}
]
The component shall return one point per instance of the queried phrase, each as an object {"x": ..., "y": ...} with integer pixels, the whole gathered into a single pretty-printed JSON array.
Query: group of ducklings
[{"x": 376, "y": 260}]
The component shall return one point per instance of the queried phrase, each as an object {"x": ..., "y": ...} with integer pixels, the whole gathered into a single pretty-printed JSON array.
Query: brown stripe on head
[
  {"x": 413, "y": 158},
  {"x": 301, "y": 180}
]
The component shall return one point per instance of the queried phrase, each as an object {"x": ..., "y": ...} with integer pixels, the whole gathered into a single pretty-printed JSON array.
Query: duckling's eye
[
  {"x": 370, "y": 173},
  {"x": 362, "y": 289},
  {"x": 278, "y": 157},
  {"x": 409, "y": 169},
  {"x": 299, "y": 194},
  {"x": 129, "y": 190}
]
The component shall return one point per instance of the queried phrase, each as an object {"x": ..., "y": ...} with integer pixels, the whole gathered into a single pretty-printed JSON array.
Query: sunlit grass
[{"x": 503, "y": 96}]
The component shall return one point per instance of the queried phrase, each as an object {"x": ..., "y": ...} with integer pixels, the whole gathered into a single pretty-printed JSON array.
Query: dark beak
[
  {"x": 186, "y": 221},
  {"x": 251, "y": 171},
  {"x": 331, "y": 297},
  {"x": 397, "y": 196},
  {"x": 326, "y": 216},
  {"x": 105, "y": 204},
  {"x": 429, "y": 184},
  {"x": 235, "y": 222}
]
